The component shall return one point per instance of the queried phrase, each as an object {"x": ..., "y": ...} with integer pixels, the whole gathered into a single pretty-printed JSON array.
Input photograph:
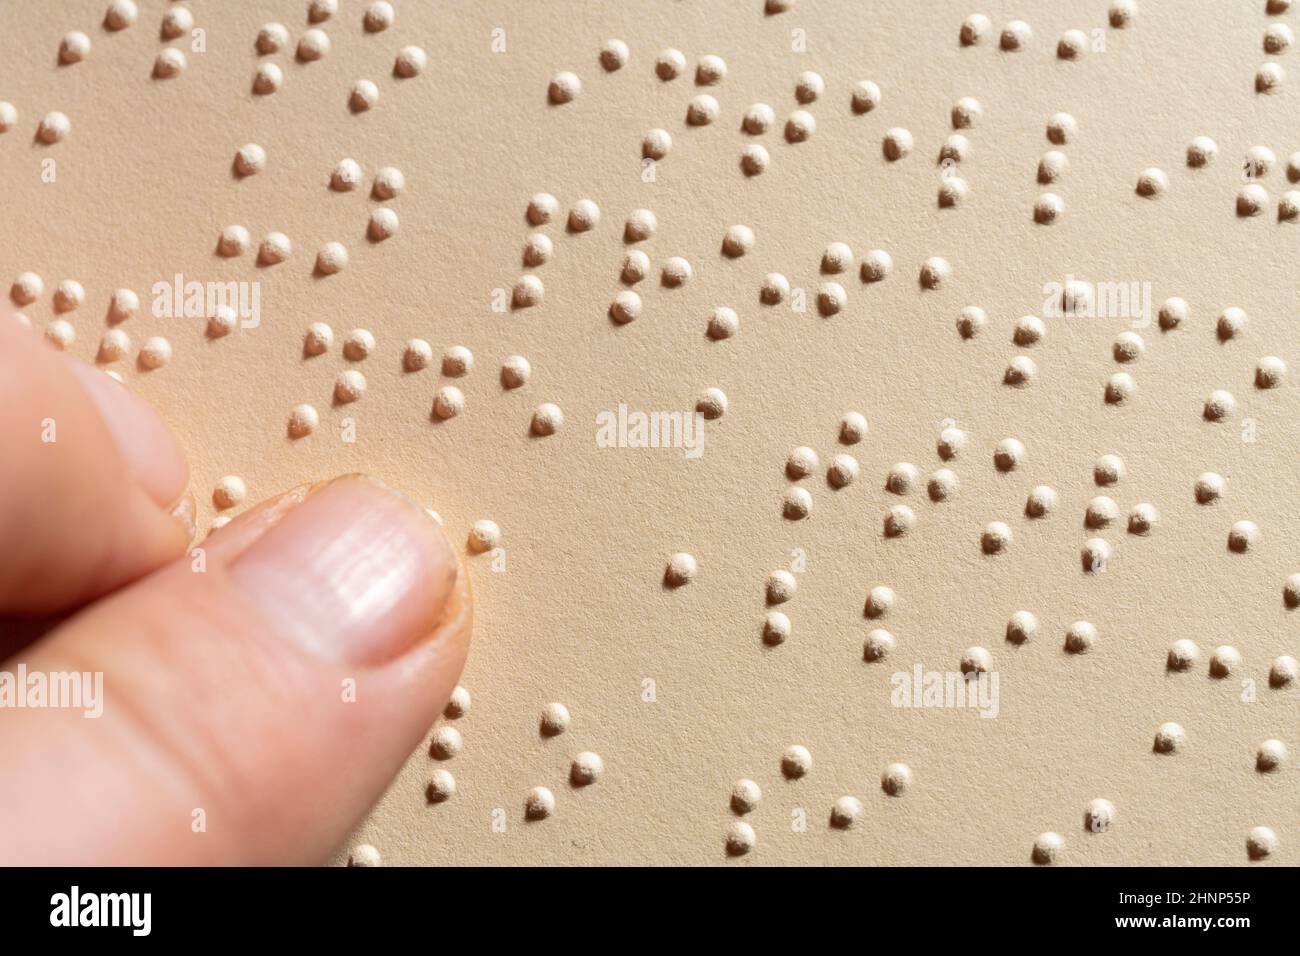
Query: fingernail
[
  {"x": 356, "y": 573},
  {"x": 144, "y": 440}
]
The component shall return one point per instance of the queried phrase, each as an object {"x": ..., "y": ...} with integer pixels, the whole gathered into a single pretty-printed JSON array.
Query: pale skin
[{"x": 259, "y": 693}]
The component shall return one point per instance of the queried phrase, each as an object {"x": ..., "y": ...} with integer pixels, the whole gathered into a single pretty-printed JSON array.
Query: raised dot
[
  {"x": 831, "y": 298},
  {"x": 68, "y": 295},
  {"x": 614, "y": 55},
  {"x": 379, "y": 16},
  {"x": 448, "y": 402},
  {"x": 1101, "y": 512},
  {"x": 776, "y": 628},
  {"x": 681, "y": 570},
  {"x": 902, "y": 478},
  {"x": 229, "y": 492},
  {"x": 1285, "y": 670},
  {"x": 641, "y": 225},
  {"x": 1120, "y": 388},
  {"x": 796, "y": 504},
  {"x": 955, "y": 149},
  {"x": 953, "y": 191},
  {"x": 113, "y": 346},
  {"x": 457, "y": 361},
  {"x": 866, "y": 96},
  {"x": 1270, "y": 756},
  {"x": 8, "y": 116},
  {"x": 843, "y": 471},
  {"x": 1048, "y": 208},
  {"x": 880, "y": 601},
  {"x": 1029, "y": 330},
  {"x": 711, "y": 403},
  {"x": 441, "y": 786},
  {"x": 976, "y": 660},
  {"x": 1269, "y": 78},
  {"x": 527, "y": 292},
  {"x": 1047, "y": 848},
  {"x": 1182, "y": 655},
  {"x": 547, "y": 419},
  {"x": 796, "y": 762},
  {"x": 586, "y": 769},
  {"x": 234, "y": 241},
  {"x": 321, "y": 10},
  {"x": 774, "y": 289},
  {"x": 876, "y": 265},
  {"x": 1072, "y": 45},
  {"x": 170, "y": 63},
  {"x": 358, "y": 345},
  {"x": 745, "y": 796},
  {"x": 1041, "y": 502},
  {"x": 1062, "y": 128},
  {"x": 1270, "y": 371},
  {"x": 636, "y": 266},
  {"x": 1099, "y": 817},
  {"x": 626, "y": 307},
  {"x": 971, "y": 321},
  {"x": 801, "y": 463},
  {"x": 542, "y": 208},
  {"x": 758, "y": 119},
  {"x": 738, "y": 241},
  {"x": 267, "y": 78},
  {"x": 966, "y": 112},
  {"x": 303, "y": 420},
  {"x": 1152, "y": 182},
  {"x": 780, "y": 587},
  {"x": 27, "y": 288},
  {"x": 332, "y": 258},
  {"x": 1242, "y": 536},
  {"x": 845, "y": 812},
  {"x": 515, "y": 371},
  {"x": 584, "y": 216},
  {"x": 446, "y": 743},
  {"x": 1201, "y": 152},
  {"x": 1015, "y": 36},
  {"x": 808, "y": 87},
  {"x": 1291, "y": 591},
  {"x": 1232, "y": 321},
  {"x": 1173, "y": 313},
  {"x": 800, "y": 126},
  {"x": 754, "y": 159},
  {"x": 943, "y": 485},
  {"x": 1288, "y": 206},
  {"x": 364, "y": 855},
  {"x": 899, "y": 521},
  {"x": 1219, "y": 406},
  {"x": 389, "y": 183},
  {"x": 853, "y": 428},
  {"x": 121, "y": 14},
  {"x": 676, "y": 272},
  {"x": 656, "y": 144},
  {"x": 539, "y": 803},
  {"x": 1052, "y": 166},
  {"x": 74, "y": 47},
  {"x": 837, "y": 257},
  {"x": 740, "y": 838},
  {"x": 349, "y": 386},
  {"x": 54, "y": 127},
  {"x": 669, "y": 64},
  {"x": 365, "y": 94},
  {"x": 410, "y": 62},
  {"x": 315, "y": 43},
  {"x": 1022, "y": 626},
  {"x": 935, "y": 271},
  {"x": 877, "y": 645},
  {"x": 723, "y": 323},
  {"x": 318, "y": 339},
  {"x": 1142, "y": 519},
  {"x": 996, "y": 537},
  {"x": 1224, "y": 661},
  {"x": 1080, "y": 637},
  {"x": 1252, "y": 200},
  {"x": 272, "y": 38},
  {"x": 1108, "y": 469},
  {"x": 1122, "y": 13},
  {"x": 60, "y": 334},
  {"x": 384, "y": 224},
  {"x": 564, "y": 87},
  {"x": 275, "y": 248},
  {"x": 1094, "y": 555},
  {"x": 896, "y": 779},
  {"x": 897, "y": 143},
  {"x": 554, "y": 720},
  {"x": 222, "y": 322},
  {"x": 711, "y": 70},
  {"x": 1261, "y": 843}
]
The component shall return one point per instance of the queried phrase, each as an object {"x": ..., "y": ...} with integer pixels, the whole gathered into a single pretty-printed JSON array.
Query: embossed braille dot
[
  {"x": 896, "y": 779},
  {"x": 542, "y": 208},
  {"x": 1099, "y": 817},
  {"x": 349, "y": 386},
  {"x": 446, "y": 743},
  {"x": 565, "y": 87},
  {"x": 935, "y": 271},
  {"x": 539, "y": 803},
  {"x": 843, "y": 471},
  {"x": 996, "y": 537},
  {"x": 222, "y": 322},
  {"x": 364, "y": 855},
  {"x": 800, "y": 126},
  {"x": 951, "y": 442},
  {"x": 955, "y": 149},
  {"x": 636, "y": 266},
  {"x": 774, "y": 289},
  {"x": 1270, "y": 756},
  {"x": 740, "y": 838},
  {"x": 410, "y": 62},
  {"x": 1015, "y": 36},
  {"x": 1101, "y": 512},
  {"x": 318, "y": 339},
  {"x": 1062, "y": 128},
  {"x": 315, "y": 43},
  {"x": 60, "y": 334},
  {"x": 899, "y": 521},
  {"x": 1291, "y": 591},
  {"x": 754, "y": 159},
  {"x": 902, "y": 478},
  {"x": 114, "y": 346},
  {"x": 457, "y": 361},
  {"x": 669, "y": 64},
  {"x": 745, "y": 796},
  {"x": 1288, "y": 206},
  {"x": 1261, "y": 843},
  {"x": 379, "y": 16},
  {"x": 1029, "y": 330},
  {"x": 515, "y": 371},
  {"x": 1173, "y": 313},
  {"x": 1041, "y": 502},
  {"x": 976, "y": 660},
  {"x": 776, "y": 628},
  {"x": 170, "y": 63},
  {"x": 121, "y": 14},
  {"x": 1048, "y": 208},
  {"x": 1259, "y": 162},
  {"x": 584, "y": 216},
  {"x": 1152, "y": 182},
  {"x": 1170, "y": 738},
  {"x": 953, "y": 190},
  {"x": 389, "y": 183},
  {"x": 384, "y": 224},
  {"x": 943, "y": 485},
  {"x": 876, "y": 265},
  {"x": 656, "y": 144},
  {"x": 1122, "y": 13},
  {"x": 1142, "y": 519},
  {"x": 267, "y": 79},
  {"x": 1285, "y": 670},
  {"x": 796, "y": 762},
  {"x": 272, "y": 38},
  {"x": 74, "y": 47},
  {"x": 303, "y": 420},
  {"x": 1219, "y": 406},
  {"x": 1021, "y": 372},
  {"x": 712, "y": 404},
  {"x": 808, "y": 86},
  {"x": 971, "y": 321},
  {"x": 897, "y": 144},
  {"x": 441, "y": 786},
  {"x": 68, "y": 295},
  {"x": 676, "y": 272},
  {"x": 1270, "y": 371},
  {"x": 831, "y": 298},
  {"x": 738, "y": 241},
  {"x": 880, "y": 601},
  {"x": 332, "y": 258},
  {"x": 1128, "y": 347},
  {"x": 1224, "y": 661},
  {"x": 1242, "y": 536},
  {"x": 448, "y": 402},
  {"x": 1120, "y": 388},
  {"x": 1232, "y": 322},
  {"x": 640, "y": 225},
  {"x": 796, "y": 504},
  {"x": 1269, "y": 78},
  {"x": 966, "y": 112},
  {"x": 1252, "y": 200},
  {"x": 8, "y": 116},
  {"x": 723, "y": 323},
  {"x": 837, "y": 257},
  {"x": 1108, "y": 469},
  {"x": 1080, "y": 637},
  {"x": 1022, "y": 626},
  {"x": 710, "y": 70},
  {"x": 364, "y": 96},
  {"x": 1072, "y": 45},
  {"x": 877, "y": 646},
  {"x": 27, "y": 288},
  {"x": 54, "y": 128},
  {"x": 358, "y": 345},
  {"x": 626, "y": 307},
  {"x": 1183, "y": 654},
  {"x": 681, "y": 570},
  {"x": 586, "y": 769},
  {"x": 528, "y": 291},
  {"x": 229, "y": 492},
  {"x": 1094, "y": 555},
  {"x": 547, "y": 420},
  {"x": 1052, "y": 166},
  {"x": 975, "y": 29},
  {"x": 614, "y": 55},
  {"x": 845, "y": 812},
  {"x": 758, "y": 119},
  {"x": 1201, "y": 152},
  {"x": 780, "y": 587},
  {"x": 866, "y": 96},
  {"x": 801, "y": 463},
  {"x": 320, "y": 10},
  {"x": 275, "y": 248},
  {"x": 554, "y": 720}
]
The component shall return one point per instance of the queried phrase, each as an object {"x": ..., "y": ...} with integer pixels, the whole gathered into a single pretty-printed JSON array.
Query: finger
[
  {"x": 90, "y": 481},
  {"x": 254, "y": 707}
]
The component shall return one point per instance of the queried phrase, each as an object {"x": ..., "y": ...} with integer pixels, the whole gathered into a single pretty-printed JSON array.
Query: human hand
[{"x": 259, "y": 691}]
